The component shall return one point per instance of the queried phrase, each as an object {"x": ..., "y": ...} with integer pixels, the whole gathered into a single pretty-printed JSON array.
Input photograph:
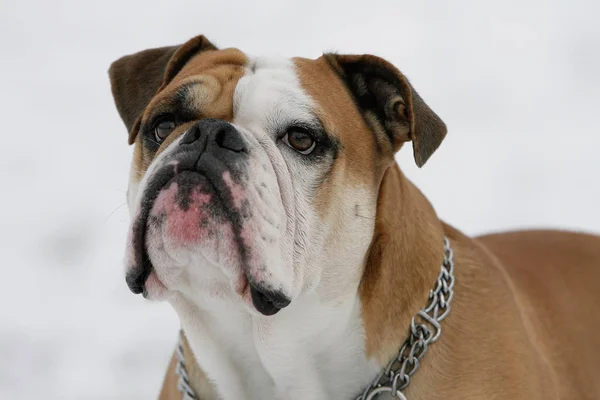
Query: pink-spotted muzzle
[{"x": 211, "y": 204}]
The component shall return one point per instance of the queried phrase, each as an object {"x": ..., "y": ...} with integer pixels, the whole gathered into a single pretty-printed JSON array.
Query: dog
[{"x": 267, "y": 208}]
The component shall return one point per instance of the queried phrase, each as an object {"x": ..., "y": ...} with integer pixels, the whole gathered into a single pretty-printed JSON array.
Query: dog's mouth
[
  {"x": 187, "y": 205},
  {"x": 196, "y": 211}
]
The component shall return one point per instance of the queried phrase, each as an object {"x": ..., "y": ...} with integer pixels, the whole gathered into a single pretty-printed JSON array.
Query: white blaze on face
[{"x": 269, "y": 99}]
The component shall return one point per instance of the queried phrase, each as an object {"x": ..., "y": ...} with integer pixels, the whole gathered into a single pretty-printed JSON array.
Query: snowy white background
[{"x": 517, "y": 83}]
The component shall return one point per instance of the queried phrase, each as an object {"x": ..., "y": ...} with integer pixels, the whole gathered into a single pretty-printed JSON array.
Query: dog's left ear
[
  {"x": 136, "y": 78},
  {"x": 390, "y": 104}
]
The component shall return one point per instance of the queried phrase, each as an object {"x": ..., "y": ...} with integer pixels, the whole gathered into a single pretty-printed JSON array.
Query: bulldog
[{"x": 268, "y": 210}]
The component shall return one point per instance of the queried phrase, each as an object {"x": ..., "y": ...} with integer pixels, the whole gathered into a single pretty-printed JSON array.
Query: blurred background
[{"x": 516, "y": 82}]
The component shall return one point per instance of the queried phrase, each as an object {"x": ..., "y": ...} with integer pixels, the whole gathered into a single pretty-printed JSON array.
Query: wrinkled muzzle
[{"x": 210, "y": 206}]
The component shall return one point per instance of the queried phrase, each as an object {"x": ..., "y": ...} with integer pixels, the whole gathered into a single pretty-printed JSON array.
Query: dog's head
[{"x": 255, "y": 179}]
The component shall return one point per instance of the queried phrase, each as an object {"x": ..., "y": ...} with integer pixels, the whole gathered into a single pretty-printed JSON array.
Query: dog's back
[{"x": 556, "y": 281}]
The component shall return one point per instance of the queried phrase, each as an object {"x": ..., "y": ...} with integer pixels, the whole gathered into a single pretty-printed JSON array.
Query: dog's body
[
  {"x": 267, "y": 208},
  {"x": 527, "y": 295}
]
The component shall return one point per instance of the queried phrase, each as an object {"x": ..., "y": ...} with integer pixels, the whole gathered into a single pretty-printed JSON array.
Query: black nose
[
  {"x": 266, "y": 301},
  {"x": 215, "y": 135}
]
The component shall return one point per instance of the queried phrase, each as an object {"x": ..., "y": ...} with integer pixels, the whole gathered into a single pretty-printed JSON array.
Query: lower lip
[{"x": 154, "y": 289}]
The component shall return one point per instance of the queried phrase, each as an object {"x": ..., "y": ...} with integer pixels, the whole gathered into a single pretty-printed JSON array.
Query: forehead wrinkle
[
  {"x": 203, "y": 62},
  {"x": 220, "y": 66},
  {"x": 208, "y": 94},
  {"x": 199, "y": 91}
]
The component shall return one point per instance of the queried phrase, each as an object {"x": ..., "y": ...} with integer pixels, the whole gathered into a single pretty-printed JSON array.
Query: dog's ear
[
  {"x": 136, "y": 78},
  {"x": 390, "y": 104}
]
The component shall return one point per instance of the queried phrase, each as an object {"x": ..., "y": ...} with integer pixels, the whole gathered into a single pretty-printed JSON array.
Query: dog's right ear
[{"x": 136, "y": 78}]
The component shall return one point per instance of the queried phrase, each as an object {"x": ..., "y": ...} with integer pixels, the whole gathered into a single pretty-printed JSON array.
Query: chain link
[
  {"x": 183, "y": 383},
  {"x": 425, "y": 329}
]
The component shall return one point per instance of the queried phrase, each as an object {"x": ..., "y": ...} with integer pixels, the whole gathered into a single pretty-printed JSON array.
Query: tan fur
[
  {"x": 520, "y": 301},
  {"x": 138, "y": 165},
  {"x": 484, "y": 335},
  {"x": 407, "y": 243},
  {"x": 554, "y": 276},
  {"x": 341, "y": 118},
  {"x": 224, "y": 68}
]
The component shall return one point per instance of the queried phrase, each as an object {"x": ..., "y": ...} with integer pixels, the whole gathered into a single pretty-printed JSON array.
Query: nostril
[
  {"x": 192, "y": 135},
  {"x": 230, "y": 139}
]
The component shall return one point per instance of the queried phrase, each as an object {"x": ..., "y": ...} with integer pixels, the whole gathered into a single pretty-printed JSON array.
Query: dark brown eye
[
  {"x": 163, "y": 128},
  {"x": 300, "y": 140}
]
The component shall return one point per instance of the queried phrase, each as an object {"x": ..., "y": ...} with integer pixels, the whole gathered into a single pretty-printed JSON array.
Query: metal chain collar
[
  {"x": 183, "y": 383},
  {"x": 425, "y": 329}
]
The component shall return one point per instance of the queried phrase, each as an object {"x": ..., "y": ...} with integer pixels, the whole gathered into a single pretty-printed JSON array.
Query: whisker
[
  {"x": 153, "y": 141},
  {"x": 359, "y": 216},
  {"x": 113, "y": 212}
]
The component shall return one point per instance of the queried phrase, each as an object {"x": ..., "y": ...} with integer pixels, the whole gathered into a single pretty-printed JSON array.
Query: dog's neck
[
  {"x": 332, "y": 350},
  {"x": 402, "y": 265}
]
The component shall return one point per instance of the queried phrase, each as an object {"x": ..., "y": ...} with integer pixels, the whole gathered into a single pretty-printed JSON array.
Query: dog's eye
[
  {"x": 163, "y": 128},
  {"x": 300, "y": 140}
]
